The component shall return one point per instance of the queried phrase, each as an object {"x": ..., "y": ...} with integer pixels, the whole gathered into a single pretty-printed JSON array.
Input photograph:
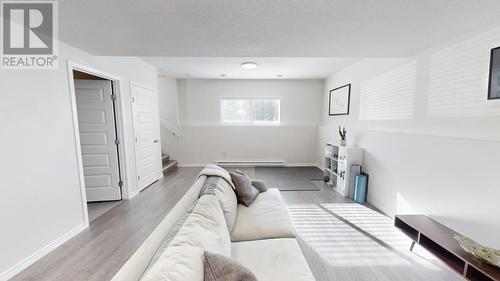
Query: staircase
[{"x": 168, "y": 165}]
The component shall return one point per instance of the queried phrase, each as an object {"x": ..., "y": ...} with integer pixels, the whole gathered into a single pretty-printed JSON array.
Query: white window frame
[{"x": 252, "y": 121}]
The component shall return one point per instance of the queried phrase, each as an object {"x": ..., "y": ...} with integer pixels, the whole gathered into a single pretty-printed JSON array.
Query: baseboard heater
[{"x": 252, "y": 163}]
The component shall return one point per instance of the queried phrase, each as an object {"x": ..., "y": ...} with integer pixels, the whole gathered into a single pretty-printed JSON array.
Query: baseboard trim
[
  {"x": 13, "y": 271},
  {"x": 250, "y": 163},
  {"x": 322, "y": 168},
  {"x": 132, "y": 194},
  {"x": 197, "y": 165},
  {"x": 192, "y": 165},
  {"x": 301, "y": 165}
]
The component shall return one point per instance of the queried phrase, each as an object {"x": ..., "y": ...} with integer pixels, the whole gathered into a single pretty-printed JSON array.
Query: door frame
[
  {"x": 119, "y": 113},
  {"x": 157, "y": 129}
]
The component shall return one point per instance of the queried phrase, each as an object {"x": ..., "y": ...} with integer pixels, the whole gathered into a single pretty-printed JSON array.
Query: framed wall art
[
  {"x": 494, "y": 83},
  {"x": 339, "y": 100}
]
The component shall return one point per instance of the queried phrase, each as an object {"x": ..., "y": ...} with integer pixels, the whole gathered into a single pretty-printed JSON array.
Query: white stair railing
[{"x": 170, "y": 129}]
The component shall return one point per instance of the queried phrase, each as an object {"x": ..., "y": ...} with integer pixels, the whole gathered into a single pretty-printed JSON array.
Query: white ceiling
[
  {"x": 268, "y": 68},
  {"x": 269, "y": 28}
]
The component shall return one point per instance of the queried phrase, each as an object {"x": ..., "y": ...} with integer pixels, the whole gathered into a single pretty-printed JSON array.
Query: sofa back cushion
[
  {"x": 170, "y": 237},
  {"x": 226, "y": 196},
  {"x": 204, "y": 230},
  {"x": 135, "y": 266}
]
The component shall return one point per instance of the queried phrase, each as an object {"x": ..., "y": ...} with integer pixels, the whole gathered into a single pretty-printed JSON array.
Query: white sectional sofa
[{"x": 261, "y": 237}]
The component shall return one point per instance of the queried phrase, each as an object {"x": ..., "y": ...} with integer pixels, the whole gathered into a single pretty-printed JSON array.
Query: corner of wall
[{"x": 16, "y": 269}]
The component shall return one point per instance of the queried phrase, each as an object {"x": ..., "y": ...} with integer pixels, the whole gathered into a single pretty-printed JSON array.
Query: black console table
[{"x": 438, "y": 239}]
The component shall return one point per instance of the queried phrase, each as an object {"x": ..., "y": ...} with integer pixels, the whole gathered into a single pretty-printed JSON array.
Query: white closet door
[
  {"x": 96, "y": 122},
  {"x": 146, "y": 134}
]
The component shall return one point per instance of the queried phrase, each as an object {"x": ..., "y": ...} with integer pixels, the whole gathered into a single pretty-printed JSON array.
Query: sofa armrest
[{"x": 260, "y": 185}]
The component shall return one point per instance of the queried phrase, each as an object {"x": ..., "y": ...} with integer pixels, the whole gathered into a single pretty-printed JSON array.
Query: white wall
[
  {"x": 200, "y": 103},
  {"x": 431, "y": 139},
  {"x": 204, "y": 139},
  {"x": 169, "y": 109},
  {"x": 168, "y": 99},
  {"x": 41, "y": 204}
]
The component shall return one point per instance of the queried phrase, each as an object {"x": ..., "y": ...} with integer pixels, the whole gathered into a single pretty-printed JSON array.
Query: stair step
[
  {"x": 165, "y": 158},
  {"x": 169, "y": 166}
]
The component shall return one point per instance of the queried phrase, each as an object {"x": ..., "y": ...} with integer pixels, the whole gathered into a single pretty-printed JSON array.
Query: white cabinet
[{"x": 338, "y": 163}]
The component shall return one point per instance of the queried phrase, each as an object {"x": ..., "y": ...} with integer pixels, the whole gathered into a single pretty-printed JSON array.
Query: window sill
[{"x": 250, "y": 124}]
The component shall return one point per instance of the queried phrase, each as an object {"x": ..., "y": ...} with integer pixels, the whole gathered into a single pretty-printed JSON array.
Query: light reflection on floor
[{"x": 349, "y": 237}]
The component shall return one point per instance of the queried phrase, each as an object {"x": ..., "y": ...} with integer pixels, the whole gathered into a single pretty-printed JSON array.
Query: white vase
[{"x": 343, "y": 142}]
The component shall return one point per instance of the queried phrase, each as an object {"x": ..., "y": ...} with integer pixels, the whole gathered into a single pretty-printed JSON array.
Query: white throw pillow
[{"x": 204, "y": 230}]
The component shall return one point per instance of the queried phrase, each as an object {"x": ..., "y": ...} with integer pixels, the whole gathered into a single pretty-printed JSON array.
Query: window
[{"x": 250, "y": 111}]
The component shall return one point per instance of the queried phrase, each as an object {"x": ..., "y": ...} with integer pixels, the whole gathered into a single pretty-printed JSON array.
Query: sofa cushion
[
  {"x": 245, "y": 192},
  {"x": 204, "y": 230},
  {"x": 217, "y": 171},
  {"x": 273, "y": 259},
  {"x": 170, "y": 236},
  {"x": 266, "y": 218},
  {"x": 221, "y": 268},
  {"x": 224, "y": 192}
]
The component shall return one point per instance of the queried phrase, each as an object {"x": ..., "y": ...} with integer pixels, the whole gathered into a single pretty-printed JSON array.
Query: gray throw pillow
[
  {"x": 245, "y": 191},
  {"x": 221, "y": 268}
]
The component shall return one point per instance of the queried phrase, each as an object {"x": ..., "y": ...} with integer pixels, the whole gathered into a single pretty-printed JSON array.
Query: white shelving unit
[{"x": 338, "y": 167}]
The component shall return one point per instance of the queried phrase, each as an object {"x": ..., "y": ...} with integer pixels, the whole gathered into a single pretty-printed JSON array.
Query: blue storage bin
[{"x": 361, "y": 188}]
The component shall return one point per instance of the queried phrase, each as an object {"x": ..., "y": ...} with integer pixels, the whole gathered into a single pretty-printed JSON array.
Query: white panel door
[
  {"x": 146, "y": 133},
  {"x": 96, "y": 122}
]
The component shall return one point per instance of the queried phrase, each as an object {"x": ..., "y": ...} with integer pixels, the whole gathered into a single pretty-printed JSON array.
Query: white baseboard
[
  {"x": 190, "y": 165},
  {"x": 321, "y": 167},
  {"x": 250, "y": 163},
  {"x": 11, "y": 272},
  {"x": 301, "y": 165},
  {"x": 131, "y": 195}
]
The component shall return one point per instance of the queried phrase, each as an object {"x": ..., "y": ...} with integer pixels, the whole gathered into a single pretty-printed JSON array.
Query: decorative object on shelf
[
  {"x": 339, "y": 99},
  {"x": 328, "y": 151},
  {"x": 483, "y": 253},
  {"x": 494, "y": 85},
  {"x": 343, "y": 134}
]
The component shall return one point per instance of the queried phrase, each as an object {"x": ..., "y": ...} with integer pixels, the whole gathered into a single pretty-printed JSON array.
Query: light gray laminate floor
[
  {"x": 342, "y": 241},
  {"x": 99, "y": 251},
  {"x": 96, "y": 209}
]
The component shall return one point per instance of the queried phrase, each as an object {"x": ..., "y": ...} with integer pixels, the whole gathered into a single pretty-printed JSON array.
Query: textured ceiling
[
  {"x": 269, "y": 28},
  {"x": 268, "y": 68}
]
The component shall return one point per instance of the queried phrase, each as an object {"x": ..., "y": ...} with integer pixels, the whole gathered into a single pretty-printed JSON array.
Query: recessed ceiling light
[
  {"x": 249, "y": 65},
  {"x": 223, "y": 75}
]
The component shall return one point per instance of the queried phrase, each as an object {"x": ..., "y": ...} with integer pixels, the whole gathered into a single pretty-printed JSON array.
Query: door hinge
[
  {"x": 120, "y": 183},
  {"x": 113, "y": 97},
  {"x": 135, "y": 139},
  {"x": 139, "y": 177},
  {"x": 117, "y": 141},
  {"x": 133, "y": 100}
]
